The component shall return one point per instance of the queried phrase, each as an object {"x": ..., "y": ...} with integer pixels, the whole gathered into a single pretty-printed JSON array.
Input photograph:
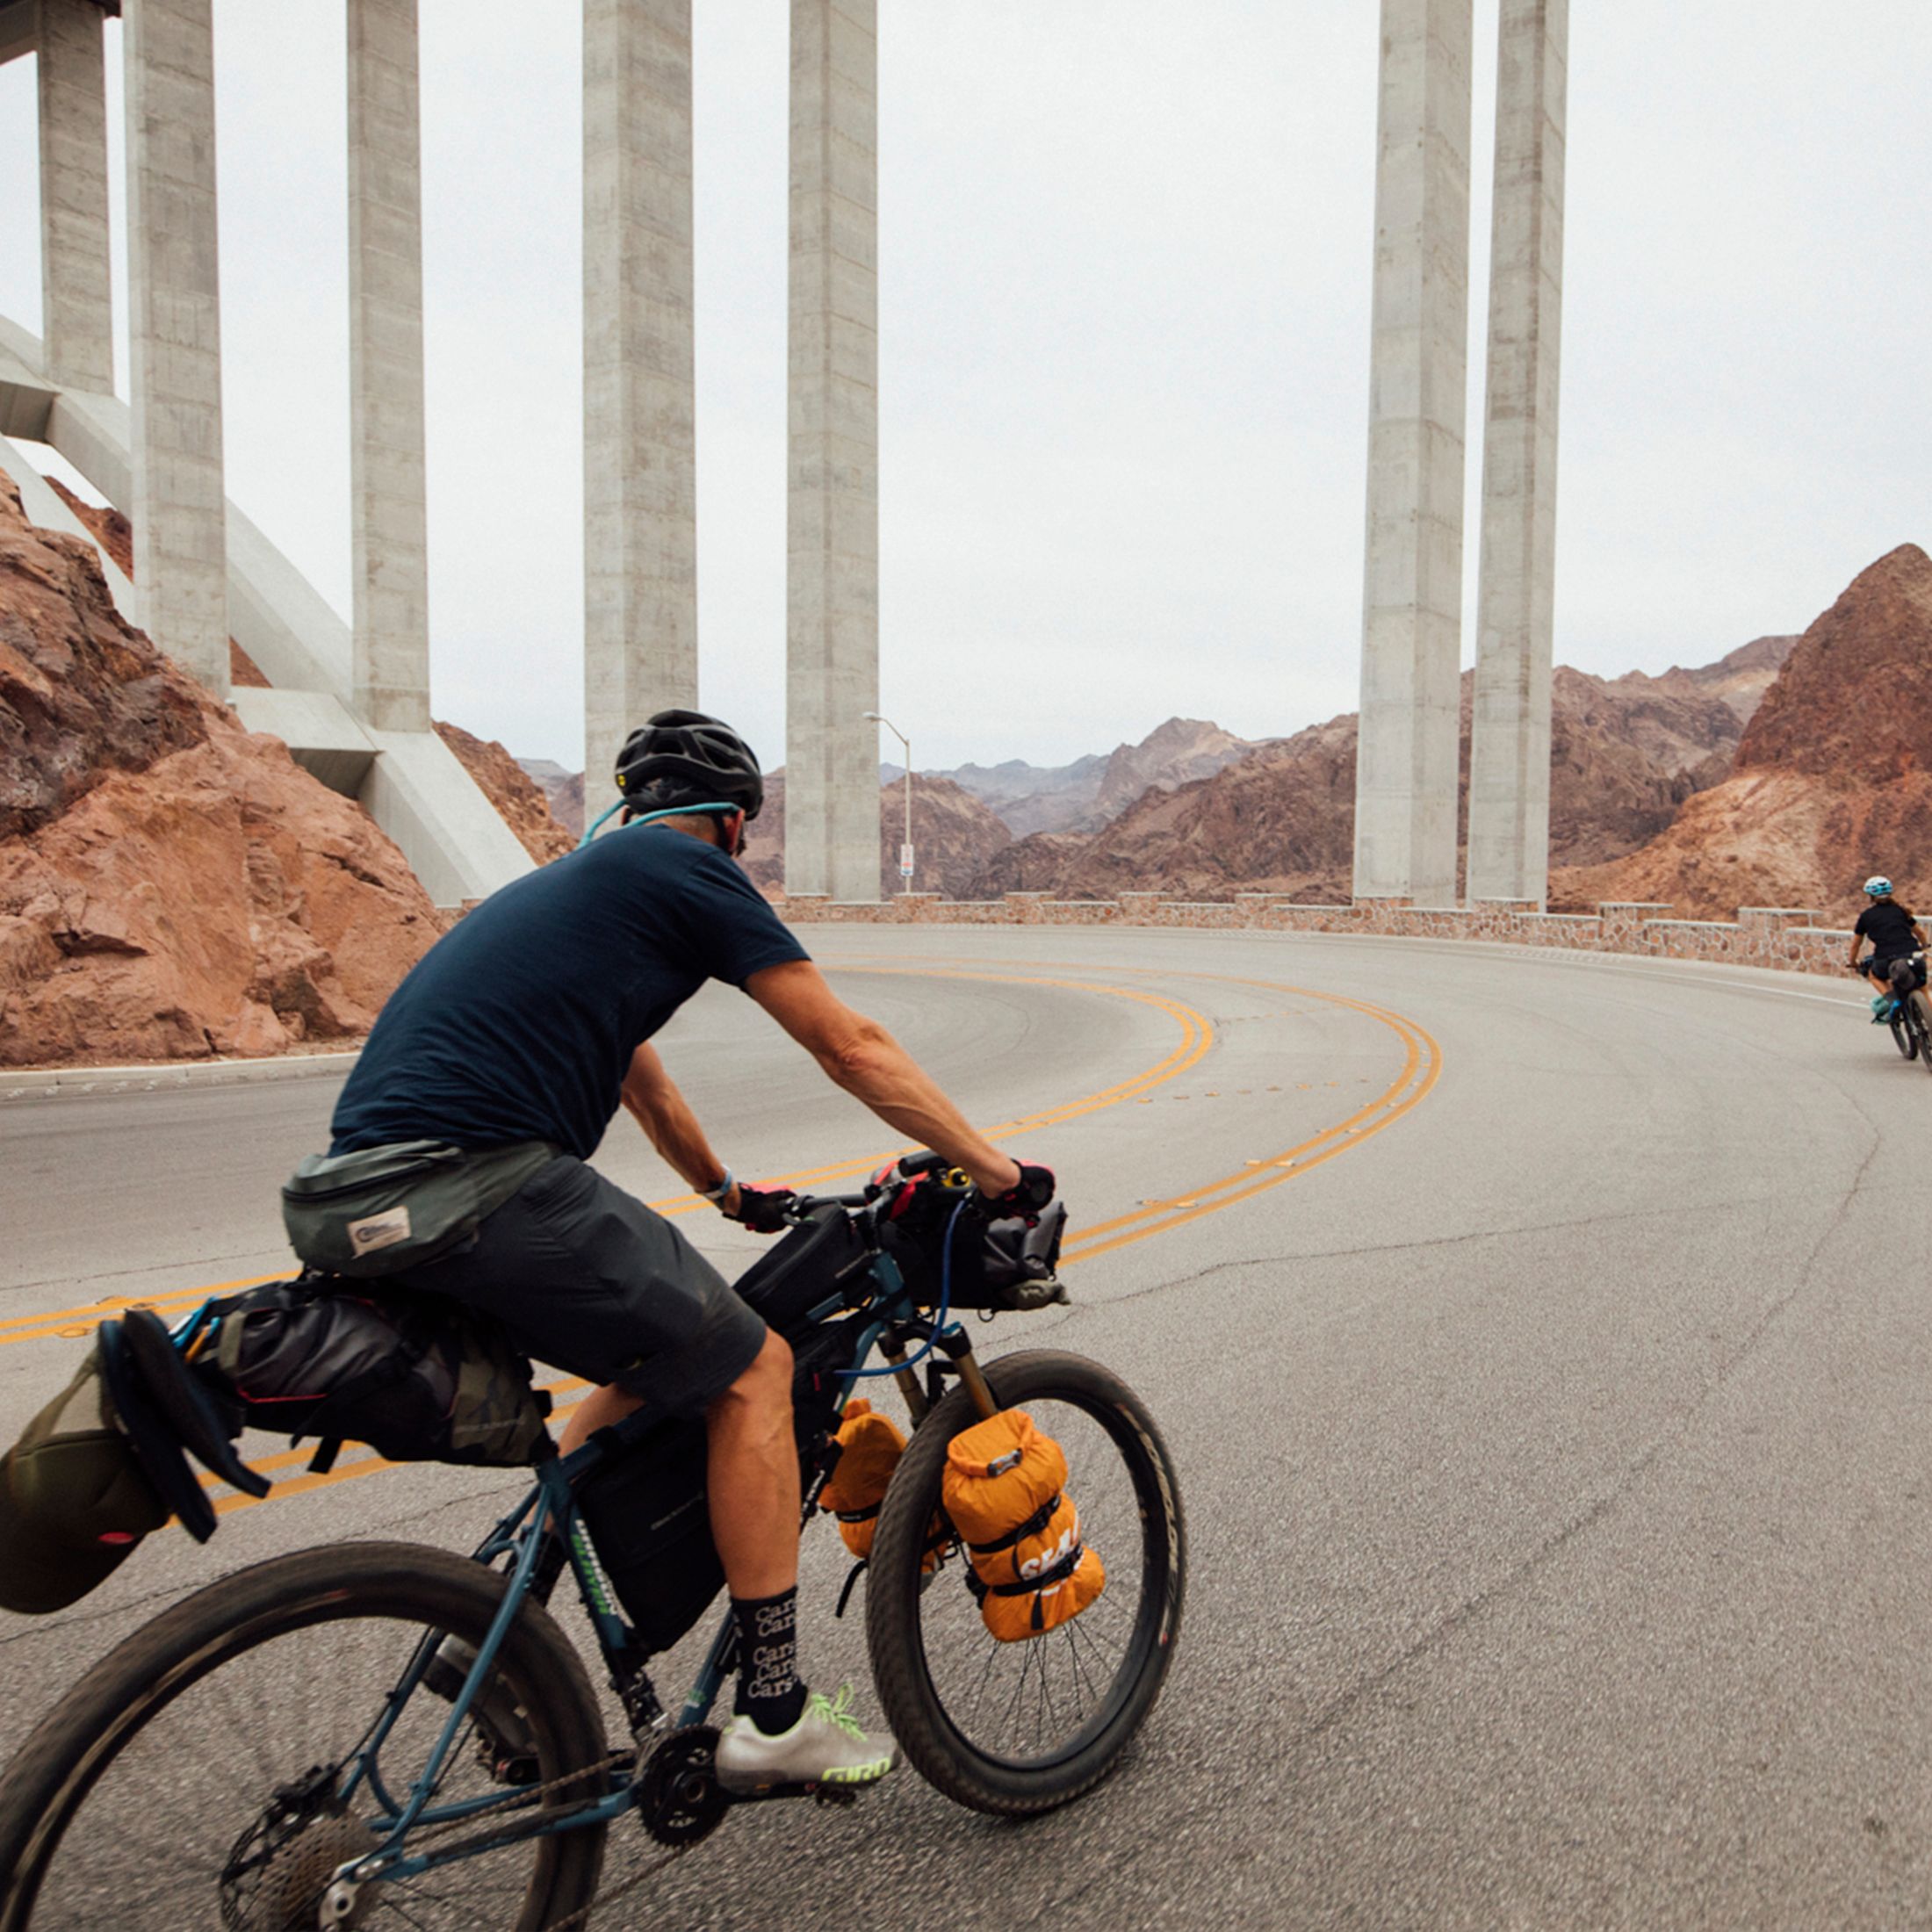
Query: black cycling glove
[
  {"x": 763, "y": 1209},
  {"x": 1037, "y": 1187}
]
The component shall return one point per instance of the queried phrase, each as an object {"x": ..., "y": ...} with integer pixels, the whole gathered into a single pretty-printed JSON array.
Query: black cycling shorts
[
  {"x": 582, "y": 1275},
  {"x": 1882, "y": 967}
]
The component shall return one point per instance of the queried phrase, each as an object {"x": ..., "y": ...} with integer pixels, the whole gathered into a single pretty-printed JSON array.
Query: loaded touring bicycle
[{"x": 386, "y": 1734}]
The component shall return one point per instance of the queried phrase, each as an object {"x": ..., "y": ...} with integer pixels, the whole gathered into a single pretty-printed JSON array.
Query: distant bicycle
[{"x": 1911, "y": 1015}]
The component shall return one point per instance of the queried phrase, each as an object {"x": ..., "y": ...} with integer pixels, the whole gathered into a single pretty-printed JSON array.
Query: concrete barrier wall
[{"x": 1788, "y": 938}]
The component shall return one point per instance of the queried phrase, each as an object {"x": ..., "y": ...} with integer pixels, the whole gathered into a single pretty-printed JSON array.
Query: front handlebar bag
[{"x": 1004, "y": 1490}]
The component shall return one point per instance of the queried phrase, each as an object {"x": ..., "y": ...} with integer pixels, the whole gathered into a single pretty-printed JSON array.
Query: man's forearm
[
  {"x": 880, "y": 1073},
  {"x": 671, "y": 1127}
]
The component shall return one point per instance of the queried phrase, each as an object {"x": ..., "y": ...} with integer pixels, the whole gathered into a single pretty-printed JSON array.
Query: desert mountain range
[
  {"x": 172, "y": 886},
  {"x": 1195, "y": 811}
]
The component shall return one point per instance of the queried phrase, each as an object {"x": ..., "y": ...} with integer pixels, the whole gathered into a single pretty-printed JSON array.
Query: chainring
[{"x": 680, "y": 1799}]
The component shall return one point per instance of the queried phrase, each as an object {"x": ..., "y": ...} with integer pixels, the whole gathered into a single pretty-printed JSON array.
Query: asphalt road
[{"x": 1556, "y": 1444}]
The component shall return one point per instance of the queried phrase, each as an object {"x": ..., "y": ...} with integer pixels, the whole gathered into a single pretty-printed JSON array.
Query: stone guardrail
[{"x": 1786, "y": 938}]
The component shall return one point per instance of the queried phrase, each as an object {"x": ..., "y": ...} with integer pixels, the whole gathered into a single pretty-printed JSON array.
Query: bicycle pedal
[{"x": 825, "y": 1793}]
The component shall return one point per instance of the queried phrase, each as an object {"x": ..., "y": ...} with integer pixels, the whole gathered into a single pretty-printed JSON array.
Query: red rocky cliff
[
  {"x": 1830, "y": 783},
  {"x": 171, "y": 886}
]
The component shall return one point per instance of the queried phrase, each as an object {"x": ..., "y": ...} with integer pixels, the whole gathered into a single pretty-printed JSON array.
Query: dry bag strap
[
  {"x": 859, "y": 1516},
  {"x": 1032, "y": 1526},
  {"x": 1033, "y": 1585}
]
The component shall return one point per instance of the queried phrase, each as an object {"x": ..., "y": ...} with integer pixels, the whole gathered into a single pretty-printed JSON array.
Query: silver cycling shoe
[{"x": 825, "y": 1747}]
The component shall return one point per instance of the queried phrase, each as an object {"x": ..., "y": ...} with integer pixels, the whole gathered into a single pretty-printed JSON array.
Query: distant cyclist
[{"x": 1894, "y": 935}]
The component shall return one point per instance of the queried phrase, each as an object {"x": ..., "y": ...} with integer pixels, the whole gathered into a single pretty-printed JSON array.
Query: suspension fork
[{"x": 957, "y": 1346}]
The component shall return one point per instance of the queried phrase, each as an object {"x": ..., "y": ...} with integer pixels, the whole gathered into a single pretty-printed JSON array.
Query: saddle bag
[
  {"x": 416, "y": 1377},
  {"x": 1004, "y": 1490}
]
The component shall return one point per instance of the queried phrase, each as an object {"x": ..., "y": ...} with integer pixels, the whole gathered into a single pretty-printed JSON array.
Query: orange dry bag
[
  {"x": 870, "y": 1448},
  {"x": 1005, "y": 1489}
]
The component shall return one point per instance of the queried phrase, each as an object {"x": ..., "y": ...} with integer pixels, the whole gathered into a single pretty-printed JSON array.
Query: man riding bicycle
[
  {"x": 515, "y": 1039},
  {"x": 1894, "y": 935}
]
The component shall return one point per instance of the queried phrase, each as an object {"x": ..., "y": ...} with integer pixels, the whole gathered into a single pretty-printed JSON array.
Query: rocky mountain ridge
[
  {"x": 1625, "y": 755},
  {"x": 1831, "y": 781}
]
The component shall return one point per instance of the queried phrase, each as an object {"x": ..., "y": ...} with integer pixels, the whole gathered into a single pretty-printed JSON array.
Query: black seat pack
[{"x": 416, "y": 1377}]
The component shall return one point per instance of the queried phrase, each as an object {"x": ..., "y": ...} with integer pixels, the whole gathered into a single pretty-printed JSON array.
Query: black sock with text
[{"x": 770, "y": 1691}]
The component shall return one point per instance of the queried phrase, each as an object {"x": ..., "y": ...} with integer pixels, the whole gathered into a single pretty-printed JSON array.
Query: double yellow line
[
  {"x": 1197, "y": 1036},
  {"x": 1421, "y": 1066}
]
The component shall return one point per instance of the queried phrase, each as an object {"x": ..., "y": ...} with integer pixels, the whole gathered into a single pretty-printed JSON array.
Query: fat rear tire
[{"x": 46, "y": 1788}]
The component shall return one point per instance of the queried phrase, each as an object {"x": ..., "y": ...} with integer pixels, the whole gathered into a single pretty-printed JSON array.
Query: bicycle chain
[{"x": 535, "y": 1794}]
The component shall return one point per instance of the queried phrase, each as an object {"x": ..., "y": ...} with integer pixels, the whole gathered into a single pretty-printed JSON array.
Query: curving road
[{"x": 1555, "y": 1425}]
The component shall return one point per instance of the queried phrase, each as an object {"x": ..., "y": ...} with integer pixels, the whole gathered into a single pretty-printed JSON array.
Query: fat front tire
[
  {"x": 922, "y": 1625},
  {"x": 1922, "y": 1028},
  {"x": 86, "y": 1807}
]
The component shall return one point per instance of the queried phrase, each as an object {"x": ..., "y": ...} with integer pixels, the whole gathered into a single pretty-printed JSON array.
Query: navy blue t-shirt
[{"x": 520, "y": 1022}]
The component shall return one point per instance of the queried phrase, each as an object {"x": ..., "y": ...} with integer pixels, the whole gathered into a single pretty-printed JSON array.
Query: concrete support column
[
  {"x": 181, "y": 578},
  {"x": 385, "y": 450},
  {"x": 1406, "y": 773},
  {"x": 831, "y": 758},
  {"x": 1509, "y": 743},
  {"x": 76, "y": 301},
  {"x": 640, "y": 439}
]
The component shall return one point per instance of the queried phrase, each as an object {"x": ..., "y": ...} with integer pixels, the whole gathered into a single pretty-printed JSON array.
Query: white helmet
[{"x": 1877, "y": 887}]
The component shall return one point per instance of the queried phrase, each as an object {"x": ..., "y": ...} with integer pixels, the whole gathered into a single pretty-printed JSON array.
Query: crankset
[
  {"x": 681, "y": 1801},
  {"x": 678, "y": 1797}
]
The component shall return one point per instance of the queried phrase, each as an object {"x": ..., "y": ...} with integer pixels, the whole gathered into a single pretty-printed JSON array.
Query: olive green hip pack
[{"x": 382, "y": 1209}]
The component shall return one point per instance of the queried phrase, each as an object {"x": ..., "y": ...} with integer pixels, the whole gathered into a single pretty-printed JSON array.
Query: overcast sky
[{"x": 1124, "y": 249}]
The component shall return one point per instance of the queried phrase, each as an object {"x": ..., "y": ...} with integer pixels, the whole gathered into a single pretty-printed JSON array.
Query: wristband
[{"x": 716, "y": 1194}]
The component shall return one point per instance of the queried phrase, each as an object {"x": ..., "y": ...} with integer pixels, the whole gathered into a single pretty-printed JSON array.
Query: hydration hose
[
  {"x": 649, "y": 817},
  {"x": 945, "y": 1304}
]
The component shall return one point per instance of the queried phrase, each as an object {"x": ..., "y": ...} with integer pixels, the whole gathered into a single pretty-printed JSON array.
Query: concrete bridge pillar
[
  {"x": 178, "y": 507},
  {"x": 390, "y": 674},
  {"x": 1510, "y": 743},
  {"x": 640, "y": 440},
  {"x": 831, "y": 769},
  {"x": 1406, "y": 772},
  {"x": 78, "y": 331}
]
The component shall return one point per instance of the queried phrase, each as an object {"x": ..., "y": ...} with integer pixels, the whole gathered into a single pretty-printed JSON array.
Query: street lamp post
[{"x": 905, "y": 850}]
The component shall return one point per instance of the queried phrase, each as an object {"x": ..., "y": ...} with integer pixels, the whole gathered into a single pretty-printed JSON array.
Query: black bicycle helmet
[{"x": 684, "y": 758}]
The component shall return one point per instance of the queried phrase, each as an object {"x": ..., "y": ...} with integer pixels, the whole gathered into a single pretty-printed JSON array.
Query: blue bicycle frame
[{"x": 548, "y": 1509}]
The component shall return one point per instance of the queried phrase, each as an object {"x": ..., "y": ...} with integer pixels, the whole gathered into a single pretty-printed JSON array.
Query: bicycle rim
[
  {"x": 158, "y": 1793},
  {"x": 1017, "y": 1726}
]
